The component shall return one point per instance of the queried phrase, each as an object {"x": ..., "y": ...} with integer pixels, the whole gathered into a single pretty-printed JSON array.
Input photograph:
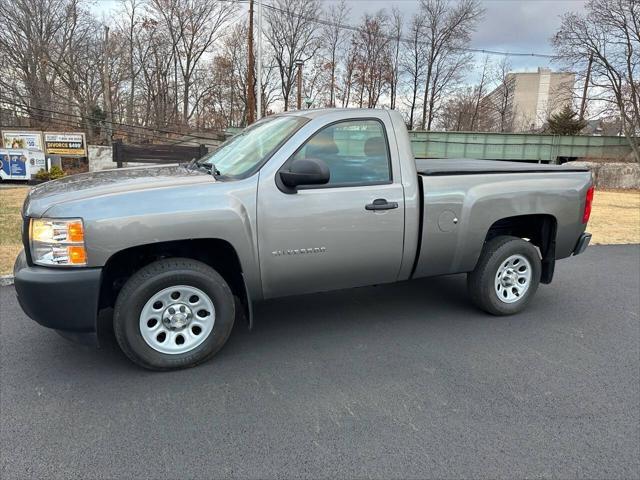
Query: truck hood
[{"x": 108, "y": 182}]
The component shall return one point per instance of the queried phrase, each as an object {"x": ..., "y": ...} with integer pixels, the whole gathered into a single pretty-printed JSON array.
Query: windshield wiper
[{"x": 209, "y": 167}]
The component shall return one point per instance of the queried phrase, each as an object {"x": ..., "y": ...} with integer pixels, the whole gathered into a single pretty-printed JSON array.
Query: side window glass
[{"x": 355, "y": 151}]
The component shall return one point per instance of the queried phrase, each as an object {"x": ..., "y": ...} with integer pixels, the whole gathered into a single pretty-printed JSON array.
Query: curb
[{"x": 6, "y": 280}]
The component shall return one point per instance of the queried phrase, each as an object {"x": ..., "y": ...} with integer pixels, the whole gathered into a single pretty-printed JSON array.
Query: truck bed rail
[{"x": 453, "y": 166}]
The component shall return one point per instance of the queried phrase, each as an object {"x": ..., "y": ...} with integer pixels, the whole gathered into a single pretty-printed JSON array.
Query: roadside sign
[
  {"x": 65, "y": 144},
  {"x": 22, "y": 139},
  {"x": 14, "y": 164},
  {"x": 5, "y": 165},
  {"x": 37, "y": 161}
]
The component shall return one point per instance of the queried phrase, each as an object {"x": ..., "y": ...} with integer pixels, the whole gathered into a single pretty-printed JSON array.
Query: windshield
[{"x": 244, "y": 153}]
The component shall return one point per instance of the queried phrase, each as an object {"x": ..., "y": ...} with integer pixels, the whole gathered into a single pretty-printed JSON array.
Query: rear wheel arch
[
  {"x": 216, "y": 253},
  {"x": 506, "y": 276},
  {"x": 539, "y": 229}
]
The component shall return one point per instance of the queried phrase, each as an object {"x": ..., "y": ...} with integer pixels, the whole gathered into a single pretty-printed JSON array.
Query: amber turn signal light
[
  {"x": 75, "y": 232},
  {"x": 77, "y": 255}
]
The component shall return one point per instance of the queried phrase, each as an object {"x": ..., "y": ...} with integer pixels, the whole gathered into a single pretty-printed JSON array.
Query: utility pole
[
  {"x": 299, "y": 64},
  {"x": 251, "y": 92},
  {"x": 106, "y": 87},
  {"x": 259, "y": 116},
  {"x": 583, "y": 105}
]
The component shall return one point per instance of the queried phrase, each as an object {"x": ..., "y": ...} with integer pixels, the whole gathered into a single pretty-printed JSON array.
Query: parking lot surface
[{"x": 398, "y": 381}]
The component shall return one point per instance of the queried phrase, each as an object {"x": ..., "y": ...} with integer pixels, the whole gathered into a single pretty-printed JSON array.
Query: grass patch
[
  {"x": 11, "y": 200},
  {"x": 615, "y": 219}
]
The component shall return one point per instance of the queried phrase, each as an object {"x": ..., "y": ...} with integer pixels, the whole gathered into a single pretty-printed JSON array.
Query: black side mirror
[{"x": 308, "y": 171}]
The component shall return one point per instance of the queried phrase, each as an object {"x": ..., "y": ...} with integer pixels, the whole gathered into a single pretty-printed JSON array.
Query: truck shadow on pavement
[{"x": 320, "y": 318}]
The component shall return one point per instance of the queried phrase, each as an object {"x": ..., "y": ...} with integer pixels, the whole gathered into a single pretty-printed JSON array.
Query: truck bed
[
  {"x": 463, "y": 199},
  {"x": 464, "y": 166}
]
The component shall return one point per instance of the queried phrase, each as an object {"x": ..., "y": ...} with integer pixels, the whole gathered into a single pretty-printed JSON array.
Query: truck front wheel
[
  {"x": 506, "y": 276},
  {"x": 173, "y": 313}
]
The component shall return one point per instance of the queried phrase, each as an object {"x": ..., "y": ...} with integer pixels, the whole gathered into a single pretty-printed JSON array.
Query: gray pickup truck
[{"x": 297, "y": 203}]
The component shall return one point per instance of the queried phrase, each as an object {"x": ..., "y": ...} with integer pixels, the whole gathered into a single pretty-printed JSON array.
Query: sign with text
[
  {"x": 25, "y": 139},
  {"x": 14, "y": 164},
  {"x": 65, "y": 144}
]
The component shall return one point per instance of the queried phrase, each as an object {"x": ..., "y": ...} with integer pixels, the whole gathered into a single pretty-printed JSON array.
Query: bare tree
[
  {"x": 396, "y": 44},
  {"x": 128, "y": 27},
  {"x": 29, "y": 36},
  {"x": 608, "y": 32},
  {"x": 371, "y": 48},
  {"x": 292, "y": 34},
  {"x": 193, "y": 26},
  {"x": 499, "y": 103},
  {"x": 157, "y": 63},
  {"x": 448, "y": 29},
  {"x": 447, "y": 73},
  {"x": 348, "y": 76},
  {"x": 317, "y": 77},
  {"x": 333, "y": 37},
  {"x": 479, "y": 94},
  {"x": 413, "y": 64},
  {"x": 459, "y": 109}
]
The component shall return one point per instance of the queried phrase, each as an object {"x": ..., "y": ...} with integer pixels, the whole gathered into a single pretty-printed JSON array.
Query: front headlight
[{"x": 57, "y": 242}]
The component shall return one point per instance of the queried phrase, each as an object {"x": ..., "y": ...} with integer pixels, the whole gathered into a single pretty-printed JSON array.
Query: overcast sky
[{"x": 509, "y": 25}]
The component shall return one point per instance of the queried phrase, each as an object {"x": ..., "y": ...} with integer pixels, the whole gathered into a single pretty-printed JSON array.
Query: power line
[
  {"x": 69, "y": 123},
  {"x": 100, "y": 120},
  {"x": 354, "y": 28},
  {"x": 61, "y": 122}
]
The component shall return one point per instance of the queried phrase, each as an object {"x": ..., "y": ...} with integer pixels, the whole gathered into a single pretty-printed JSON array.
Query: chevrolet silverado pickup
[{"x": 301, "y": 202}]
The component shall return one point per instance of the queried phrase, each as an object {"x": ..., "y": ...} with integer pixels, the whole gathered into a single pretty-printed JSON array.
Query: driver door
[{"x": 326, "y": 237}]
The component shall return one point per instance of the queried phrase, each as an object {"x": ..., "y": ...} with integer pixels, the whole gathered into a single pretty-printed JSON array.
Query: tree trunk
[
  {"x": 251, "y": 99},
  {"x": 185, "y": 101},
  {"x": 332, "y": 99},
  {"x": 425, "y": 103}
]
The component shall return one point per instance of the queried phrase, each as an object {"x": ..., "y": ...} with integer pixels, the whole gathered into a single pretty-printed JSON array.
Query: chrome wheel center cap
[
  {"x": 177, "y": 316},
  {"x": 509, "y": 278}
]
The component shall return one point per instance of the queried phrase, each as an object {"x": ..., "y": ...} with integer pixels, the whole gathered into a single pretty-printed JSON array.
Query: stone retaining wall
[
  {"x": 613, "y": 175},
  {"x": 100, "y": 158}
]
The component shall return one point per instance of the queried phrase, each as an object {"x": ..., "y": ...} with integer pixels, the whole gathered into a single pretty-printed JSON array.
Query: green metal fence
[
  {"x": 512, "y": 146},
  {"x": 515, "y": 146}
]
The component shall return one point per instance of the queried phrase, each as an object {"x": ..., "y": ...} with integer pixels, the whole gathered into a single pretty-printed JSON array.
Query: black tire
[
  {"x": 481, "y": 281},
  {"x": 155, "y": 277}
]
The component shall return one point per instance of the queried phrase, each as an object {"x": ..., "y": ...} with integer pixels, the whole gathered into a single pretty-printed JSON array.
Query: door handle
[{"x": 381, "y": 204}]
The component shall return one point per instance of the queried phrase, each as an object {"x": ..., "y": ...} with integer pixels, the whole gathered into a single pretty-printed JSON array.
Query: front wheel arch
[
  {"x": 158, "y": 281},
  {"x": 216, "y": 253}
]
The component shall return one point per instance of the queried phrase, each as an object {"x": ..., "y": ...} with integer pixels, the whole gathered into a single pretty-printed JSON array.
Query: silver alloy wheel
[
  {"x": 513, "y": 278},
  {"x": 177, "y": 319}
]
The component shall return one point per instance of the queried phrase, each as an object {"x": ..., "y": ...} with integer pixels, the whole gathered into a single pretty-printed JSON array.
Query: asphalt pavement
[{"x": 398, "y": 381}]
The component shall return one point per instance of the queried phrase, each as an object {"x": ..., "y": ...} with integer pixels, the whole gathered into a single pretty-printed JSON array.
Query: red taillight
[{"x": 588, "y": 201}]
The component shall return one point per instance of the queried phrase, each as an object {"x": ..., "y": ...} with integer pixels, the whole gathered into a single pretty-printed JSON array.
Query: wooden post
[
  {"x": 299, "y": 63},
  {"x": 116, "y": 152}
]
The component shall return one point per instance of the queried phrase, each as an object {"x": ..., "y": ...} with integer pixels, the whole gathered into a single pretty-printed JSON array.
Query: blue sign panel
[
  {"x": 5, "y": 166},
  {"x": 18, "y": 164}
]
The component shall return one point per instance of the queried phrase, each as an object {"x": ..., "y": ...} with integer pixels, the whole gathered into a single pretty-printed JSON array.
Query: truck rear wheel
[
  {"x": 173, "y": 313},
  {"x": 506, "y": 276}
]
